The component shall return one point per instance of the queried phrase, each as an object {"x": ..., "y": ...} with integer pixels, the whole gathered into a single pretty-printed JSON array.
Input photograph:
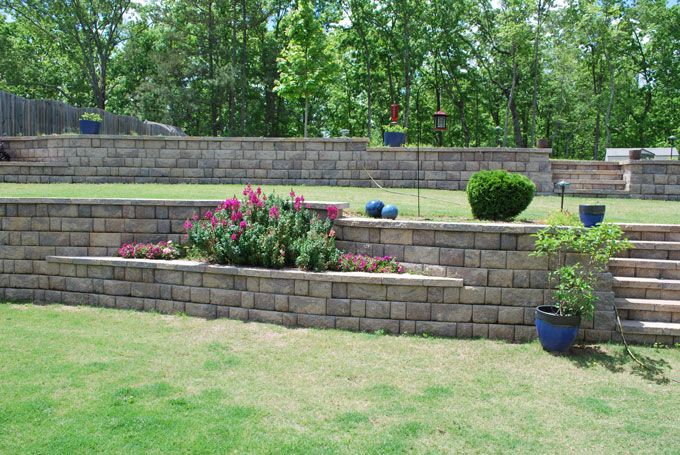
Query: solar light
[
  {"x": 671, "y": 139},
  {"x": 498, "y": 135},
  {"x": 562, "y": 184}
]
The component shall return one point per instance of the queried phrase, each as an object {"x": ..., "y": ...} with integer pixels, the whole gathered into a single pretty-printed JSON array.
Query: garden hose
[{"x": 625, "y": 343}]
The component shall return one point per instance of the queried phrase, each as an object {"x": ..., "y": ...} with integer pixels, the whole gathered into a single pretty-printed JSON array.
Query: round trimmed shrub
[{"x": 499, "y": 195}]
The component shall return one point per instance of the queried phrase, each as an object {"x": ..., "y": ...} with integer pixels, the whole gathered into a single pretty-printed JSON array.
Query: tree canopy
[{"x": 584, "y": 74}]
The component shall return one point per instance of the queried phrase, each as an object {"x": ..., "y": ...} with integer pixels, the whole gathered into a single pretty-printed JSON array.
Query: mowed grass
[
  {"x": 84, "y": 380},
  {"x": 435, "y": 204}
]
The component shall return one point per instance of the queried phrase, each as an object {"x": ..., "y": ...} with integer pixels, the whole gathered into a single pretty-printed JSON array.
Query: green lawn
[
  {"x": 436, "y": 204},
  {"x": 83, "y": 380}
]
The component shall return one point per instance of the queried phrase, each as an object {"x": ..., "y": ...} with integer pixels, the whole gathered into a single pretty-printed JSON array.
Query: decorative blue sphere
[
  {"x": 373, "y": 208},
  {"x": 389, "y": 211}
]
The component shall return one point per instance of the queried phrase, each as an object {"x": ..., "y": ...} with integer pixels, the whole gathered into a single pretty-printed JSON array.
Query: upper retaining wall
[
  {"x": 289, "y": 161},
  {"x": 652, "y": 179}
]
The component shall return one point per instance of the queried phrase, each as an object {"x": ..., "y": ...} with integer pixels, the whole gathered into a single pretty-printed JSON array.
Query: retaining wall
[
  {"x": 289, "y": 161},
  {"x": 652, "y": 179},
  {"x": 497, "y": 283}
]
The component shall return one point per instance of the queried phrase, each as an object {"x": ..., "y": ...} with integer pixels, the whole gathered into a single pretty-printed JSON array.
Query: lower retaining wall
[{"x": 354, "y": 301}]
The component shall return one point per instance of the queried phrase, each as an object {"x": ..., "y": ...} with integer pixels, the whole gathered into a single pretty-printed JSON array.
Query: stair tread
[
  {"x": 649, "y": 283},
  {"x": 645, "y": 263},
  {"x": 630, "y": 303},
  {"x": 655, "y": 244},
  {"x": 597, "y": 182},
  {"x": 651, "y": 328}
]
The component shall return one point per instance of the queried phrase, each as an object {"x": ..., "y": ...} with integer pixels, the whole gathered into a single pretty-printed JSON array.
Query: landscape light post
[
  {"x": 671, "y": 139},
  {"x": 498, "y": 135},
  {"x": 562, "y": 185}
]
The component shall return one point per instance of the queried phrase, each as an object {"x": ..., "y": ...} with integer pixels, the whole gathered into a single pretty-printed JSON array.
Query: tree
[{"x": 304, "y": 64}]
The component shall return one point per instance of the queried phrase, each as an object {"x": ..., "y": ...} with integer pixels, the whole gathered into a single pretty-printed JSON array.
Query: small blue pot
[
  {"x": 591, "y": 215},
  {"x": 90, "y": 127},
  {"x": 394, "y": 139},
  {"x": 374, "y": 208},
  {"x": 390, "y": 212},
  {"x": 556, "y": 333}
]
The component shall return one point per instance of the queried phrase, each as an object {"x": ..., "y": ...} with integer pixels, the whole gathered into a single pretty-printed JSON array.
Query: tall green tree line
[{"x": 585, "y": 74}]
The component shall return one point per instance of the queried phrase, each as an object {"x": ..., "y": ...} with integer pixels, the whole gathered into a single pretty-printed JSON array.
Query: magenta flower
[
  {"x": 188, "y": 225},
  {"x": 332, "y": 212},
  {"x": 208, "y": 215},
  {"x": 274, "y": 212}
]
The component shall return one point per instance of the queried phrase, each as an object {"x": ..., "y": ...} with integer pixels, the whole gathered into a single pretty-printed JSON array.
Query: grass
[
  {"x": 83, "y": 380},
  {"x": 436, "y": 204}
]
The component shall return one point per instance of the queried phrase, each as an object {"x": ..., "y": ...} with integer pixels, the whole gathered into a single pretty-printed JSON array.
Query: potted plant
[
  {"x": 394, "y": 135},
  {"x": 591, "y": 214},
  {"x": 90, "y": 123},
  {"x": 574, "y": 284}
]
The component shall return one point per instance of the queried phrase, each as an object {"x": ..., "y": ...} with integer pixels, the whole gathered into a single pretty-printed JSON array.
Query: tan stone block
[
  {"x": 501, "y": 332},
  {"x": 396, "y": 236},
  {"x": 315, "y": 321},
  {"x": 418, "y": 311},
  {"x": 321, "y": 289},
  {"x": 307, "y": 305},
  {"x": 493, "y": 259},
  {"x": 373, "y": 325},
  {"x": 407, "y": 293},
  {"x": 451, "y": 312},
  {"x": 358, "y": 308},
  {"x": 439, "y": 329},
  {"x": 451, "y": 295},
  {"x": 421, "y": 254},
  {"x": 472, "y": 258},
  {"x": 247, "y": 300},
  {"x": 485, "y": 313},
  {"x": 200, "y": 310},
  {"x": 510, "y": 315},
  {"x": 480, "y": 330},
  {"x": 301, "y": 287},
  {"x": 367, "y": 291},
  {"x": 338, "y": 307},
  {"x": 472, "y": 294},
  {"x": 345, "y": 323},
  {"x": 226, "y": 297}
]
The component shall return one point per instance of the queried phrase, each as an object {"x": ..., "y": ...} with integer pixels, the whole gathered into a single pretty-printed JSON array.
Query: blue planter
[
  {"x": 556, "y": 333},
  {"x": 390, "y": 212},
  {"x": 374, "y": 208},
  {"x": 90, "y": 127},
  {"x": 394, "y": 139},
  {"x": 591, "y": 215}
]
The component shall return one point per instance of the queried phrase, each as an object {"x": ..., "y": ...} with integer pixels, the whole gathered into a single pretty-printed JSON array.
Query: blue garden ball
[
  {"x": 373, "y": 208},
  {"x": 390, "y": 211}
]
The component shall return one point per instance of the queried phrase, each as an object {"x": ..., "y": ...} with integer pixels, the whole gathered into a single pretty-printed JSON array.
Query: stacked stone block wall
[
  {"x": 652, "y": 179},
  {"x": 342, "y": 162}
]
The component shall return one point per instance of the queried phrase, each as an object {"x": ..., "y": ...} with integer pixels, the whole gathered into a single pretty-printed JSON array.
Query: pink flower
[
  {"x": 188, "y": 225},
  {"x": 208, "y": 215},
  {"x": 332, "y": 212},
  {"x": 243, "y": 225},
  {"x": 292, "y": 193},
  {"x": 195, "y": 217},
  {"x": 274, "y": 212},
  {"x": 234, "y": 237}
]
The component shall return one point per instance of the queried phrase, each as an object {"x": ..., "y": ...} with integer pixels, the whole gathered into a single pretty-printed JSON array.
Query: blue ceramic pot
[
  {"x": 394, "y": 139},
  {"x": 374, "y": 208},
  {"x": 389, "y": 211},
  {"x": 90, "y": 127},
  {"x": 591, "y": 215},
  {"x": 556, "y": 333}
]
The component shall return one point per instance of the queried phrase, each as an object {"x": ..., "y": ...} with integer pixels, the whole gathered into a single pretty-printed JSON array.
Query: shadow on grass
[{"x": 617, "y": 361}]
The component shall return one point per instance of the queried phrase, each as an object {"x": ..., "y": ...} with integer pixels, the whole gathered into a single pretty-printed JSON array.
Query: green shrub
[
  {"x": 92, "y": 116},
  {"x": 499, "y": 195}
]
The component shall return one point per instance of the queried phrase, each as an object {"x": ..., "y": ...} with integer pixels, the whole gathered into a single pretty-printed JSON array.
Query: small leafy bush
[
  {"x": 161, "y": 250},
  {"x": 360, "y": 263},
  {"x": 574, "y": 284},
  {"x": 563, "y": 218},
  {"x": 394, "y": 129},
  {"x": 499, "y": 195},
  {"x": 266, "y": 231},
  {"x": 92, "y": 116}
]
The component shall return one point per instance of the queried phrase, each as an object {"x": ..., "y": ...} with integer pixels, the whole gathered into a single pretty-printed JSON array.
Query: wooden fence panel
[{"x": 25, "y": 117}]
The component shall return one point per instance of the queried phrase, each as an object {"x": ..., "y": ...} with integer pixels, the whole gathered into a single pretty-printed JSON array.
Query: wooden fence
[{"x": 24, "y": 117}]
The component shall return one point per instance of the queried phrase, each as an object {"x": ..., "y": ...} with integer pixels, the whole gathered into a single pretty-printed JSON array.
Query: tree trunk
[
  {"x": 596, "y": 147},
  {"x": 535, "y": 70},
  {"x": 244, "y": 69},
  {"x": 306, "y": 113},
  {"x": 610, "y": 105}
]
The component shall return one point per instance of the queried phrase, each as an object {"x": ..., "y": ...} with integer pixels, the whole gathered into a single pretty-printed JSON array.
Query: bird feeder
[
  {"x": 394, "y": 111},
  {"x": 439, "y": 118}
]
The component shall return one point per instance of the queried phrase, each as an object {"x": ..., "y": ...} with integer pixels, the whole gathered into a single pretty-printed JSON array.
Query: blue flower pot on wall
[
  {"x": 556, "y": 333},
  {"x": 591, "y": 215},
  {"x": 89, "y": 127},
  {"x": 394, "y": 139}
]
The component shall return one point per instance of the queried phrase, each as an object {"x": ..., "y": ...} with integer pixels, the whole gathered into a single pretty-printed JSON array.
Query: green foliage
[
  {"x": 92, "y": 116},
  {"x": 593, "y": 247},
  {"x": 499, "y": 195},
  {"x": 267, "y": 231},
  {"x": 563, "y": 218},
  {"x": 394, "y": 128}
]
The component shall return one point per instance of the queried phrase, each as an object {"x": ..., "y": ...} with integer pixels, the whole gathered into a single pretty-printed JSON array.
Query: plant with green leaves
[
  {"x": 395, "y": 128},
  {"x": 588, "y": 252},
  {"x": 305, "y": 64},
  {"x": 91, "y": 116}
]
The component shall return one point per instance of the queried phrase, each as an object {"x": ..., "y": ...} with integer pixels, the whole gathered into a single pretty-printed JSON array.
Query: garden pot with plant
[
  {"x": 591, "y": 214},
  {"x": 394, "y": 136},
  {"x": 573, "y": 284},
  {"x": 90, "y": 123}
]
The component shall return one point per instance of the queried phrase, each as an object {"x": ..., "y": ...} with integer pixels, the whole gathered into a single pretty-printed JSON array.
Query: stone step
[
  {"x": 651, "y": 328},
  {"x": 630, "y": 303},
  {"x": 569, "y": 164},
  {"x": 645, "y": 268},
  {"x": 652, "y": 249},
  {"x": 559, "y": 174},
  {"x": 646, "y": 288},
  {"x": 594, "y": 185}
]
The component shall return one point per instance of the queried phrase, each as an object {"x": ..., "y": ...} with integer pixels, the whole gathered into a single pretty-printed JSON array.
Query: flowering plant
[
  {"x": 268, "y": 231},
  {"x": 160, "y": 250},
  {"x": 349, "y": 262}
]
